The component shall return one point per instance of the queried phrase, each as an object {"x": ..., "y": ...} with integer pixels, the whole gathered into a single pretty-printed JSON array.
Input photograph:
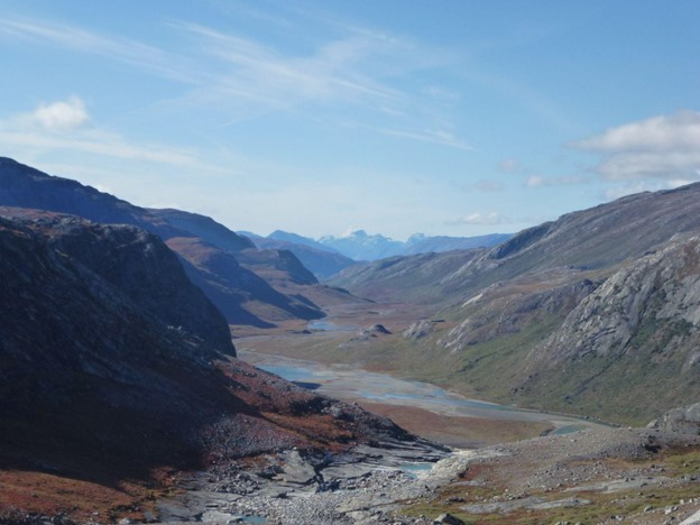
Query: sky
[{"x": 319, "y": 117}]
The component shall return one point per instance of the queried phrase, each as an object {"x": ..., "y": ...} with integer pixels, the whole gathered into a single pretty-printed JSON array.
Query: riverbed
[{"x": 422, "y": 408}]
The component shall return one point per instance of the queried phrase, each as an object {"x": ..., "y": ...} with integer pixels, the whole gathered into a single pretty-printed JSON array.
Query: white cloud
[
  {"x": 535, "y": 181},
  {"x": 538, "y": 181},
  {"x": 61, "y": 115},
  {"x": 662, "y": 147},
  {"x": 482, "y": 219},
  {"x": 663, "y": 133},
  {"x": 60, "y": 126}
]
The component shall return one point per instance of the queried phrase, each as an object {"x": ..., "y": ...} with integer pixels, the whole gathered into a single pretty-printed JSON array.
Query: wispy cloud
[
  {"x": 538, "y": 181},
  {"x": 333, "y": 72},
  {"x": 510, "y": 165},
  {"x": 62, "y": 125},
  {"x": 121, "y": 49},
  {"x": 97, "y": 143},
  {"x": 357, "y": 69},
  {"x": 441, "y": 137},
  {"x": 487, "y": 186},
  {"x": 663, "y": 147},
  {"x": 481, "y": 219}
]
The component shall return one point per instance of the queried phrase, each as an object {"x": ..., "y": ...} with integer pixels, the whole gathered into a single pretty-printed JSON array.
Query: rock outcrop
[
  {"x": 143, "y": 268},
  {"x": 637, "y": 336},
  {"x": 685, "y": 420}
]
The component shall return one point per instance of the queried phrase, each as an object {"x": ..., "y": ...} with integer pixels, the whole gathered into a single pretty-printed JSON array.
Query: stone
[{"x": 448, "y": 519}]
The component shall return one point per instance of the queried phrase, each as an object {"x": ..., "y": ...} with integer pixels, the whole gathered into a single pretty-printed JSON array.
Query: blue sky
[{"x": 454, "y": 117}]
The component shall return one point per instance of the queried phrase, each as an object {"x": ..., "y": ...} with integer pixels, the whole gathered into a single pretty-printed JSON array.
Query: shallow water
[
  {"x": 412, "y": 469},
  {"x": 327, "y": 326},
  {"x": 350, "y": 383}
]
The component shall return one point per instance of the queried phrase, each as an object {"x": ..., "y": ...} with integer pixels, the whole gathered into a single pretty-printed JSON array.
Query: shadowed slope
[
  {"x": 95, "y": 385},
  {"x": 25, "y": 187}
]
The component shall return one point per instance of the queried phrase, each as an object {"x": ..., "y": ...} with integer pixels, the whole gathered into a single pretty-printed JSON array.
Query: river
[{"x": 396, "y": 396}]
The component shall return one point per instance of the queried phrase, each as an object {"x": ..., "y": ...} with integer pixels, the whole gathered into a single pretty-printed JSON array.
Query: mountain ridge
[
  {"x": 25, "y": 187},
  {"x": 329, "y": 255},
  {"x": 500, "y": 304}
]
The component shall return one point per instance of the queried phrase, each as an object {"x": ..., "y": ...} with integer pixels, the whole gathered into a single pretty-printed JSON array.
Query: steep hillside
[
  {"x": 593, "y": 239},
  {"x": 278, "y": 265},
  {"x": 205, "y": 228},
  {"x": 142, "y": 266},
  {"x": 323, "y": 263},
  {"x": 635, "y": 340},
  {"x": 416, "y": 278},
  {"x": 607, "y": 234},
  {"x": 25, "y": 187},
  {"x": 570, "y": 315},
  {"x": 238, "y": 292},
  {"x": 103, "y": 399}
]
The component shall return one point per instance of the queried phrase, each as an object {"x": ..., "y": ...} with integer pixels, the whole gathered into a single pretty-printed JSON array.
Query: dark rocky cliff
[
  {"x": 97, "y": 385},
  {"x": 24, "y": 187},
  {"x": 143, "y": 268}
]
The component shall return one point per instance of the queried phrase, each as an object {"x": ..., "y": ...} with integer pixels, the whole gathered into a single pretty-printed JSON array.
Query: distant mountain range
[{"x": 329, "y": 255}]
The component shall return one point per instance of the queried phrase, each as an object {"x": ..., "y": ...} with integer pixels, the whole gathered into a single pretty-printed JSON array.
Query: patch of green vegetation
[
  {"x": 451, "y": 499},
  {"x": 654, "y": 333},
  {"x": 603, "y": 506},
  {"x": 684, "y": 463},
  {"x": 629, "y": 388}
]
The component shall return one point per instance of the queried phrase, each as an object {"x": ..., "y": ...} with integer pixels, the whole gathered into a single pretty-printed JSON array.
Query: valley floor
[
  {"x": 341, "y": 358},
  {"x": 421, "y": 408},
  {"x": 596, "y": 474}
]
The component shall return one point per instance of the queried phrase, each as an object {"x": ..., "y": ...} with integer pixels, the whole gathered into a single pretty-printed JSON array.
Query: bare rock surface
[
  {"x": 537, "y": 476},
  {"x": 364, "y": 485}
]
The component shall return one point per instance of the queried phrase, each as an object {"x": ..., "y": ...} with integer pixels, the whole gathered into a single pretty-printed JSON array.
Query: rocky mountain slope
[
  {"x": 636, "y": 337},
  {"x": 322, "y": 262},
  {"x": 593, "y": 313},
  {"x": 141, "y": 266},
  {"x": 588, "y": 240},
  {"x": 239, "y": 290},
  {"x": 416, "y": 278},
  {"x": 102, "y": 387}
]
